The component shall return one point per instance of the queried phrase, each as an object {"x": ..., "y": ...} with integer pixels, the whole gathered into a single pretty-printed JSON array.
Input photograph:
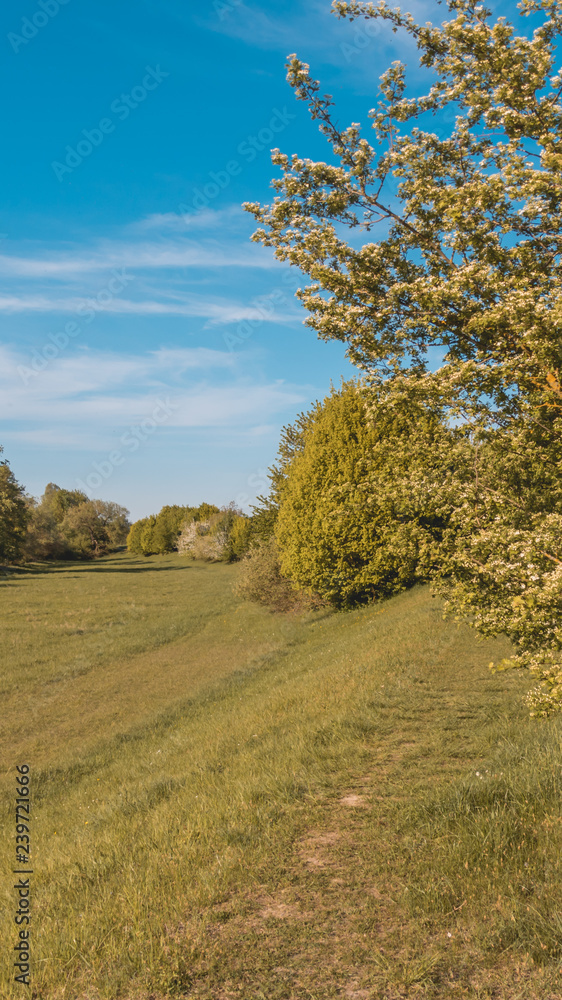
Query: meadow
[{"x": 229, "y": 802}]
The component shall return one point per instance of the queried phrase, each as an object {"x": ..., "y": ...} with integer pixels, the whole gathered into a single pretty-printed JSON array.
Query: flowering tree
[
  {"x": 503, "y": 565},
  {"x": 467, "y": 261},
  {"x": 470, "y": 263}
]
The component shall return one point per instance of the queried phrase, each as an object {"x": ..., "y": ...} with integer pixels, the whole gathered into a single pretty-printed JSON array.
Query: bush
[
  {"x": 261, "y": 581},
  {"x": 44, "y": 538},
  {"x": 361, "y": 507},
  {"x": 203, "y": 540},
  {"x": 167, "y": 527},
  {"x": 134, "y": 544},
  {"x": 239, "y": 537},
  {"x": 222, "y": 536},
  {"x": 503, "y": 567},
  {"x": 94, "y": 528},
  {"x": 159, "y": 533}
]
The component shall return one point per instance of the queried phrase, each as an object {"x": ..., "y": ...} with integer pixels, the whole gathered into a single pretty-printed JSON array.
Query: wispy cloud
[
  {"x": 164, "y": 276},
  {"x": 341, "y": 52},
  {"x": 96, "y": 393},
  {"x": 139, "y": 256},
  {"x": 217, "y": 312},
  {"x": 88, "y": 371},
  {"x": 310, "y": 28},
  {"x": 180, "y": 222}
]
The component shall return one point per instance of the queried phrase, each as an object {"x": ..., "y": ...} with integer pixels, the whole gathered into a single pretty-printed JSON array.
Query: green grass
[{"x": 231, "y": 803}]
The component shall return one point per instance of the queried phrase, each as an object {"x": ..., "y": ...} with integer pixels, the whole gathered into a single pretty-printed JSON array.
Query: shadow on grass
[
  {"x": 138, "y": 569},
  {"x": 98, "y": 566}
]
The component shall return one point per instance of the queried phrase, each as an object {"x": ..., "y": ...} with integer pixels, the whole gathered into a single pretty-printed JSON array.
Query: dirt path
[{"x": 338, "y": 922}]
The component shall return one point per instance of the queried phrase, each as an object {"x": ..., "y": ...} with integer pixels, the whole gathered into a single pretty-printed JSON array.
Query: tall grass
[{"x": 495, "y": 838}]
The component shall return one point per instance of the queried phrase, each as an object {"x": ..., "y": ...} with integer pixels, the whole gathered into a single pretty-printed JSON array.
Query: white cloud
[
  {"x": 207, "y": 218},
  {"x": 217, "y": 311},
  {"x": 80, "y": 399},
  {"x": 89, "y": 371},
  {"x": 222, "y": 406},
  {"x": 140, "y": 256},
  {"x": 313, "y": 31},
  {"x": 145, "y": 277}
]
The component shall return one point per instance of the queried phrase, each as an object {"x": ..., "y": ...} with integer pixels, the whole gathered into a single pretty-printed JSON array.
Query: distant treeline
[
  {"x": 63, "y": 524},
  {"x": 203, "y": 532}
]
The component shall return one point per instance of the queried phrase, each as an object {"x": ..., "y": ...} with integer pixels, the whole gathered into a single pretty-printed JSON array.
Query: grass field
[{"x": 233, "y": 803}]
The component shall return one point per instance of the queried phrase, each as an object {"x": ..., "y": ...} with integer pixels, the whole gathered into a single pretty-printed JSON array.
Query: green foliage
[
  {"x": 57, "y": 502},
  {"x": 261, "y": 580},
  {"x": 184, "y": 529},
  {"x": 504, "y": 564},
  {"x": 14, "y": 515},
  {"x": 167, "y": 527},
  {"x": 468, "y": 263},
  {"x": 354, "y": 522},
  {"x": 44, "y": 538},
  {"x": 239, "y": 535},
  {"x": 147, "y": 534},
  {"x": 66, "y": 525},
  {"x": 157, "y": 533},
  {"x": 204, "y": 511},
  {"x": 134, "y": 537},
  {"x": 94, "y": 528},
  {"x": 291, "y": 443},
  {"x": 469, "y": 258},
  {"x": 239, "y": 538}
]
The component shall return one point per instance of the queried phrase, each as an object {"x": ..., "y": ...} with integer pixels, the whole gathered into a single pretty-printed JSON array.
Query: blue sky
[{"x": 149, "y": 351}]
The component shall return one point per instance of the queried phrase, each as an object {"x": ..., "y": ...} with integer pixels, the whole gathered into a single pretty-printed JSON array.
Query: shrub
[
  {"x": 94, "y": 528},
  {"x": 291, "y": 443},
  {"x": 223, "y": 535},
  {"x": 503, "y": 566},
  {"x": 203, "y": 540},
  {"x": 262, "y": 581},
  {"x": 57, "y": 502},
  {"x": 167, "y": 527},
  {"x": 44, "y": 538},
  {"x": 239, "y": 537},
  {"x": 361, "y": 507},
  {"x": 134, "y": 545},
  {"x": 146, "y": 539},
  {"x": 160, "y": 533}
]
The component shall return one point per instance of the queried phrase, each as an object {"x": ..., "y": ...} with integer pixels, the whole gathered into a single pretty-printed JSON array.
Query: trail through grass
[{"x": 230, "y": 803}]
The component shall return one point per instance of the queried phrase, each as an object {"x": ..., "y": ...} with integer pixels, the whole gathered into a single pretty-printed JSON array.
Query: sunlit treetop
[{"x": 463, "y": 230}]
